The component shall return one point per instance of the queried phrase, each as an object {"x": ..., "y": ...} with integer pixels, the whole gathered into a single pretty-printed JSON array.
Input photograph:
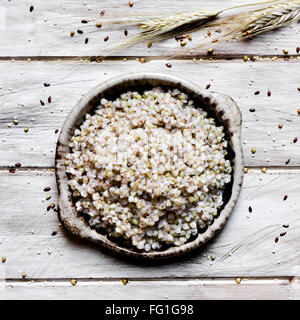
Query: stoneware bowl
[{"x": 219, "y": 106}]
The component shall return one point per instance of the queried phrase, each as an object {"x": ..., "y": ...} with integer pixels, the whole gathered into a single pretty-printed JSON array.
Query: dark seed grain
[
  {"x": 276, "y": 239},
  {"x": 285, "y": 197},
  {"x": 47, "y": 189},
  {"x": 126, "y": 32},
  {"x": 54, "y": 233},
  {"x": 84, "y": 21},
  {"x": 282, "y": 234},
  {"x": 288, "y": 161},
  {"x": 252, "y": 110},
  {"x": 18, "y": 165},
  {"x": 295, "y": 139},
  {"x": 86, "y": 40},
  {"x": 106, "y": 38},
  {"x": 250, "y": 209},
  {"x": 42, "y": 102},
  {"x": 168, "y": 65},
  {"x": 257, "y": 92},
  {"x": 285, "y": 225},
  {"x": 207, "y": 86},
  {"x": 102, "y": 13},
  {"x": 49, "y": 99},
  {"x": 79, "y": 31},
  {"x": 31, "y": 8}
]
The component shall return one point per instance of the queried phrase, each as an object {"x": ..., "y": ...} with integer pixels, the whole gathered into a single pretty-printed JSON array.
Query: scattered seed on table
[
  {"x": 207, "y": 86},
  {"x": 79, "y": 31},
  {"x": 24, "y": 275},
  {"x": 209, "y": 33},
  {"x": 98, "y": 24},
  {"x": 149, "y": 44},
  {"x": 12, "y": 170},
  {"x": 47, "y": 189},
  {"x": 3, "y": 259},
  {"x": 257, "y": 92},
  {"x": 295, "y": 139},
  {"x": 182, "y": 43},
  {"x": 16, "y": 121},
  {"x": 280, "y": 125},
  {"x": 84, "y": 21},
  {"x": 190, "y": 37},
  {"x": 49, "y": 99},
  {"x": 52, "y": 205},
  {"x": 102, "y": 13},
  {"x": 282, "y": 234},
  {"x": 31, "y": 8},
  {"x": 298, "y": 49},
  {"x": 56, "y": 130},
  {"x": 250, "y": 209},
  {"x": 210, "y": 51},
  {"x": 124, "y": 281},
  {"x": 26, "y": 129},
  {"x": 287, "y": 161},
  {"x": 54, "y": 233},
  {"x": 73, "y": 282},
  {"x": 130, "y": 3},
  {"x": 285, "y": 225},
  {"x": 252, "y": 110},
  {"x": 106, "y": 38},
  {"x": 238, "y": 280},
  {"x": 285, "y": 51},
  {"x": 269, "y": 93},
  {"x": 86, "y": 40},
  {"x": 46, "y": 84},
  {"x": 245, "y": 58},
  {"x": 253, "y": 150},
  {"x": 72, "y": 33},
  {"x": 168, "y": 65},
  {"x": 18, "y": 165},
  {"x": 245, "y": 170},
  {"x": 213, "y": 257},
  {"x": 48, "y": 197},
  {"x": 298, "y": 111},
  {"x": 298, "y": 88},
  {"x": 285, "y": 197},
  {"x": 276, "y": 239},
  {"x": 126, "y": 32}
]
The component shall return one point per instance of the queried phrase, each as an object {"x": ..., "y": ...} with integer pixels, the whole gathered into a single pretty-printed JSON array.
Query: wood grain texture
[
  {"x": 22, "y": 88},
  {"x": 46, "y": 30},
  {"x": 246, "y": 246},
  {"x": 223, "y": 289}
]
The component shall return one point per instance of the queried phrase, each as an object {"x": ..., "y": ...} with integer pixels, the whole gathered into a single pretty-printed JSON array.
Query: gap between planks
[
  {"x": 205, "y": 58},
  {"x": 5, "y": 169}
]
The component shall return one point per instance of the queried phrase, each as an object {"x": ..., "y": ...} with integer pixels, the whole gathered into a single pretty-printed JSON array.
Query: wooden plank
[
  {"x": 223, "y": 289},
  {"x": 46, "y": 30},
  {"x": 246, "y": 246},
  {"x": 22, "y": 88}
]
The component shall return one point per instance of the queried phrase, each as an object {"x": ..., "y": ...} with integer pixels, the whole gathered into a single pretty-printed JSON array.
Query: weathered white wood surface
[
  {"x": 22, "y": 88},
  {"x": 46, "y": 30},
  {"x": 208, "y": 289},
  {"x": 245, "y": 247}
]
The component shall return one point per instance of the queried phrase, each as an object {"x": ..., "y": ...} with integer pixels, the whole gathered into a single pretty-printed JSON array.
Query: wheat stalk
[
  {"x": 255, "y": 22},
  {"x": 162, "y": 27},
  {"x": 248, "y": 24}
]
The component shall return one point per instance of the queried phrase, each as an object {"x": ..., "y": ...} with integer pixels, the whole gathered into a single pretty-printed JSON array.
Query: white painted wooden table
[{"x": 35, "y": 48}]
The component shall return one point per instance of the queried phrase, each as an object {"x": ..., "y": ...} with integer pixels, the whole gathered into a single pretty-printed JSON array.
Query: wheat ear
[{"x": 270, "y": 18}]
